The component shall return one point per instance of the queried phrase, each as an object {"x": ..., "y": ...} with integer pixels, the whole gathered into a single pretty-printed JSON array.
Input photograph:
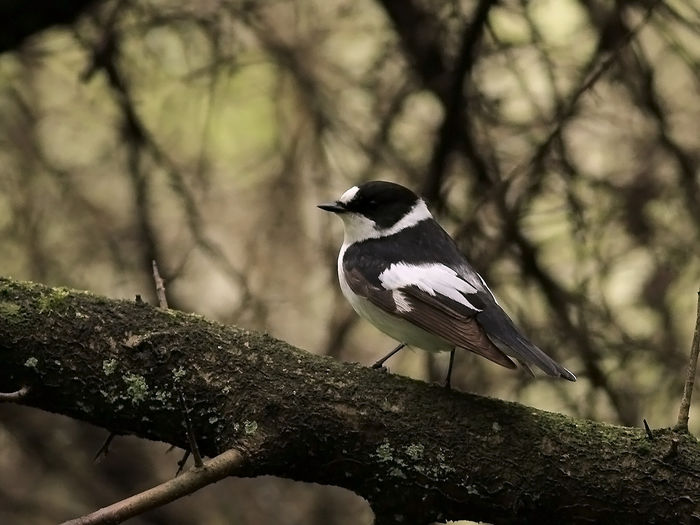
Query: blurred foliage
[{"x": 557, "y": 140}]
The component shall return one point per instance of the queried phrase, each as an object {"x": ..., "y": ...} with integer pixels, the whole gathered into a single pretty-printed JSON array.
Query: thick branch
[{"x": 415, "y": 451}]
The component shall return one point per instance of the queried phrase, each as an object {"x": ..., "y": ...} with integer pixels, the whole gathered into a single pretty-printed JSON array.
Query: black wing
[
  {"x": 434, "y": 314},
  {"x": 505, "y": 335}
]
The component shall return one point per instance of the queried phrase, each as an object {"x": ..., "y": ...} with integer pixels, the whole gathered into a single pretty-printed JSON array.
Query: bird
[{"x": 402, "y": 272}]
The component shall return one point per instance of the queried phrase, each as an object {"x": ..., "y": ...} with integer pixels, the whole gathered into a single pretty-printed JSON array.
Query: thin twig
[
  {"x": 160, "y": 287},
  {"x": 684, "y": 410},
  {"x": 650, "y": 435},
  {"x": 212, "y": 471},
  {"x": 104, "y": 449},
  {"x": 190, "y": 434},
  {"x": 13, "y": 397},
  {"x": 181, "y": 464}
]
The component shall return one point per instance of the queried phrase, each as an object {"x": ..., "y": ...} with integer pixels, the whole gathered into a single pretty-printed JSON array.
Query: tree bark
[{"x": 416, "y": 452}]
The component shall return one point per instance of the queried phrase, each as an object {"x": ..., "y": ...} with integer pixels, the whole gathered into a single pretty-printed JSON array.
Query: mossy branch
[{"x": 416, "y": 452}]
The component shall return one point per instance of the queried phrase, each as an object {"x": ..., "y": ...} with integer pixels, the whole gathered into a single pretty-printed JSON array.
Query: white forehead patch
[{"x": 348, "y": 195}]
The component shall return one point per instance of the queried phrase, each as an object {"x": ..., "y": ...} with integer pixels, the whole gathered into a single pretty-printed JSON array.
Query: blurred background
[{"x": 557, "y": 140}]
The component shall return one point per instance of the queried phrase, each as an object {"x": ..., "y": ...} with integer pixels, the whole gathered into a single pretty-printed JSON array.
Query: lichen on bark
[{"x": 411, "y": 449}]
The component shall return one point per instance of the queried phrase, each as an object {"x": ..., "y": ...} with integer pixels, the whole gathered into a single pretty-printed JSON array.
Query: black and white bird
[{"x": 403, "y": 273}]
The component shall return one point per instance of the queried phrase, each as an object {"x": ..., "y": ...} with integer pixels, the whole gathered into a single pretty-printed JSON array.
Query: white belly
[{"x": 393, "y": 326}]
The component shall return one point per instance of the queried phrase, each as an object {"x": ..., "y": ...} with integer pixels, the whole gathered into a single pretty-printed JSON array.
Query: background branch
[
  {"x": 33, "y": 16},
  {"x": 684, "y": 410}
]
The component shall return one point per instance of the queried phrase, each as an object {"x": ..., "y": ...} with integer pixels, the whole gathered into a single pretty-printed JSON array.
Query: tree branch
[
  {"x": 455, "y": 123},
  {"x": 31, "y": 17},
  {"x": 416, "y": 452},
  {"x": 14, "y": 397},
  {"x": 212, "y": 471}
]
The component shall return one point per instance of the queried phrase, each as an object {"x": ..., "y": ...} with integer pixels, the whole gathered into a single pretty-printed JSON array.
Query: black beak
[{"x": 334, "y": 207}]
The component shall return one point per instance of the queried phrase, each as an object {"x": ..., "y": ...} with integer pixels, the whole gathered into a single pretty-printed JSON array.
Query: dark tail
[{"x": 503, "y": 333}]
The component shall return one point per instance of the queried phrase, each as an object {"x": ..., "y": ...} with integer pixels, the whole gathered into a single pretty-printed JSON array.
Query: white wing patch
[
  {"x": 431, "y": 278},
  {"x": 402, "y": 305}
]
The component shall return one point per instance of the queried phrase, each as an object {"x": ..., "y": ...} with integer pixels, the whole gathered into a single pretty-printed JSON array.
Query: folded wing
[
  {"x": 457, "y": 307},
  {"x": 444, "y": 315}
]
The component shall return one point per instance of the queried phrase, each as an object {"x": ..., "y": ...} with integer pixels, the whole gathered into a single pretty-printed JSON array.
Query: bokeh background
[{"x": 557, "y": 140}]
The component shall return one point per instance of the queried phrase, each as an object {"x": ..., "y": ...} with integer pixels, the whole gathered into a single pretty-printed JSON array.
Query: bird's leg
[
  {"x": 449, "y": 370},
  {"x": 380, "y": 363}
]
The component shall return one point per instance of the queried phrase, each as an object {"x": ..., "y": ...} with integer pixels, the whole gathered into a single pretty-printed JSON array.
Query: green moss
[
  {"x": 31, "y": 362},
  {"x": 250, "y": 427},
  {"x": 52, "y": 299},
  {"x": 178, "y": 374},
  {"x": 136, "y": 388},
  {"x": 385, "y": 451},
  {"x": 108, "y": 366},
  {"x": 644, "y": 447},
  {"x": 162, "y": 395},
  {"x": 415, "y": 451},
  {"x": 443, "y": 468},
  {"x": 412, "y": 458},
  {"x": 9, "y": 311},
  {"x": 109, "y": 396},
  {"x": 397, "y": 473}
]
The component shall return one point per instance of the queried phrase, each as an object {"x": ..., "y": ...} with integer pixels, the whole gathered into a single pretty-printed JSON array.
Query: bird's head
[{"x": 377, "y": 209}]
